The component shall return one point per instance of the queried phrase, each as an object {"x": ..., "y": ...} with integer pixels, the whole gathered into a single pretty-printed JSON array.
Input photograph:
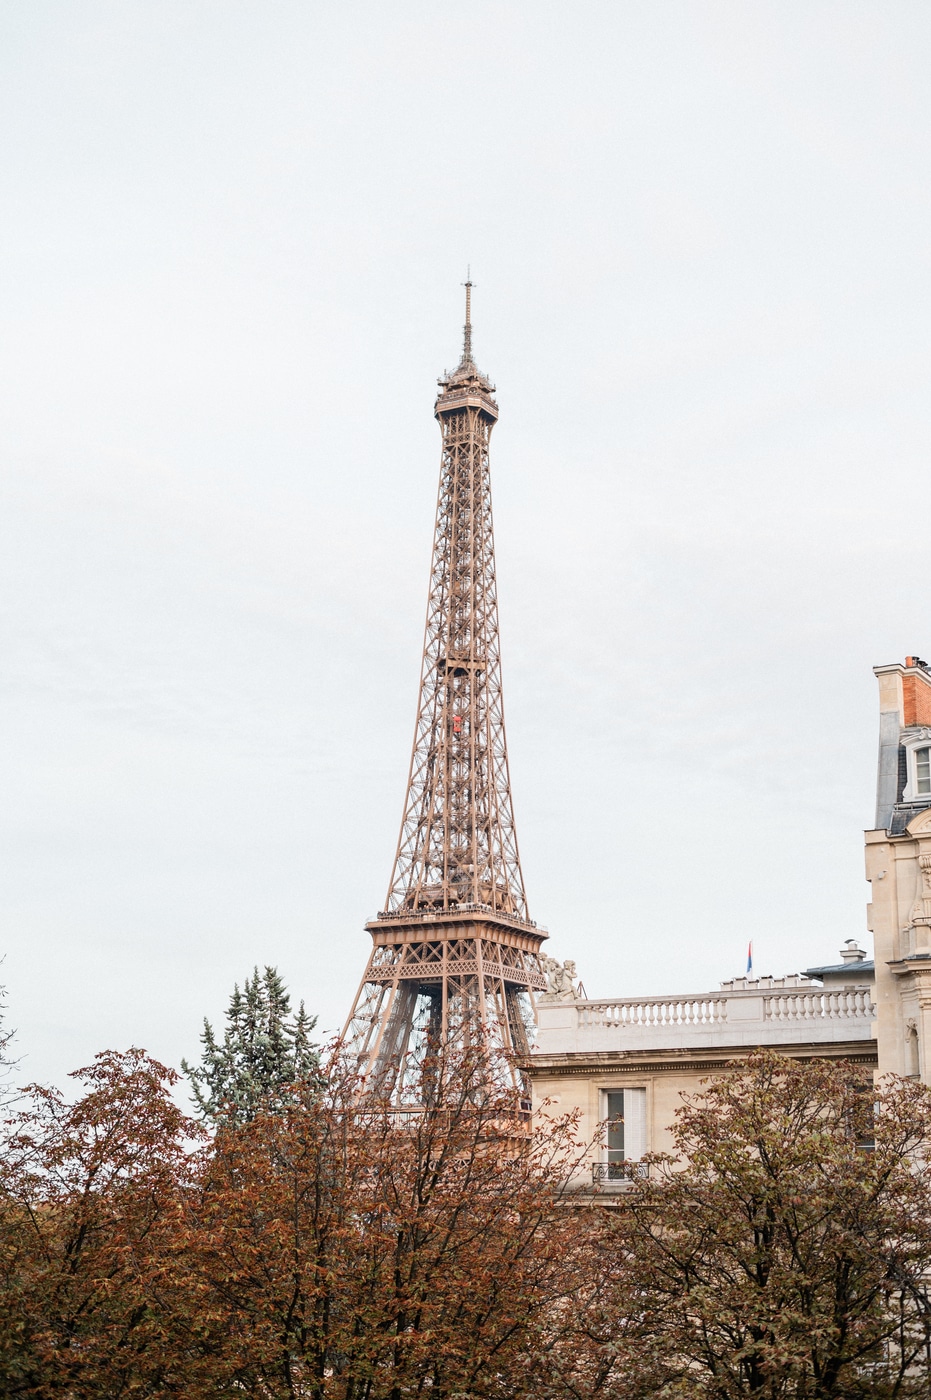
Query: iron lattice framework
[{"x": 455, "y": 954}]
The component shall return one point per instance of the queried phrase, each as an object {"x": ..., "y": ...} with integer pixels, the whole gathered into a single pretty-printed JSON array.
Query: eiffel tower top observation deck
[{"x": 455, "y": 953}]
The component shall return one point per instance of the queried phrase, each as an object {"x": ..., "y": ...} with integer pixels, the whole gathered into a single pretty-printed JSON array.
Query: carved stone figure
[
  {"x": 549, "y": 967},
  {"x": 560, "y": 979}
]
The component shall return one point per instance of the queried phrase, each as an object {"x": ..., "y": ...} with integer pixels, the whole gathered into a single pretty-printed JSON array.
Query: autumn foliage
[
  {"x": 332, "y": 1246},
  {"x": 328, "y": 1247},
  {"x": 93, "y": 1198},
  {"x": 783, "y": 1252}
]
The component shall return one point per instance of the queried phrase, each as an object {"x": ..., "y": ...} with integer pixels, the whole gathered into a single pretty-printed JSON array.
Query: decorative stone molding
[{"x": 920, "y": 825}]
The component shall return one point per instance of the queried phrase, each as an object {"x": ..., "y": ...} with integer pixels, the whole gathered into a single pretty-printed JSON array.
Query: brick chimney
[
  {"x": 904, "y": 702},
  {"x": 916, "y": 692}
]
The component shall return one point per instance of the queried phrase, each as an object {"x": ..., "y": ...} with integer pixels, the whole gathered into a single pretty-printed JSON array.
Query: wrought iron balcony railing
[{"x": 608, "y": 1173}]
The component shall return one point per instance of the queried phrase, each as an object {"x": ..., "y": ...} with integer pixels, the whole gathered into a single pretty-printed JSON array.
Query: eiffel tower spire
[
  {"x": 467, "y": 328},
  {"x": 455, "y": 954}
]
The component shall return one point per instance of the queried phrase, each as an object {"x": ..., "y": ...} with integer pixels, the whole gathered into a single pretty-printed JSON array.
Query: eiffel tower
[{"x": 455, "y": 955}]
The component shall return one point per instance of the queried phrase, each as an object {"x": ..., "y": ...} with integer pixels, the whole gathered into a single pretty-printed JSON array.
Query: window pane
[
  {"x": 923, "y": 769},
  {"x": 615, "y": 1134}
]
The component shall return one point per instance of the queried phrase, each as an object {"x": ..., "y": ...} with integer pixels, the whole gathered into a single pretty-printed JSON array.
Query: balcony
[{"x": 618, "y": 1175}]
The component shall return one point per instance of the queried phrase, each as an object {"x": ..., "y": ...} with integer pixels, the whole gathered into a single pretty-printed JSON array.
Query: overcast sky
[{"x": 233, "y": 237}]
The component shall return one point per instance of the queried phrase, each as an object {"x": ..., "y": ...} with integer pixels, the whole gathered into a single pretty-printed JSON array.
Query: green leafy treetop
[{"x": 264, "y": 1049}]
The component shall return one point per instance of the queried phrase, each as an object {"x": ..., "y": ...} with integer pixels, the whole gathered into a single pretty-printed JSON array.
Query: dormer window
[
  {"x": 923, "y": 770},
  {"x": 915, "y": 758}
]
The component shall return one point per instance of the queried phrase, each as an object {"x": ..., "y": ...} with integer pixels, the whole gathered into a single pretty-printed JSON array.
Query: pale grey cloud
[{"x": 232, "y": 241}]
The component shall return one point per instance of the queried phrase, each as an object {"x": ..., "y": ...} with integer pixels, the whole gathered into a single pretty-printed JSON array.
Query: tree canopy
[
  {"x": 784, "y": 1251},
  {"x": 324, "y": 1247},
  {"x": 329, "y": 1245},
  {"x": 264, "y": 1049}
]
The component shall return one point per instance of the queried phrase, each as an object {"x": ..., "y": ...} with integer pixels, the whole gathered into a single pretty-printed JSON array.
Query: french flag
[{"x": 750, "y": 958}]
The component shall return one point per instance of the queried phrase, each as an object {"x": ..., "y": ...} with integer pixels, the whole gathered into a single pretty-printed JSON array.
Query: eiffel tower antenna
[
  {"x": 455, "y": 955},
  {"x": 467, "y": 328}
]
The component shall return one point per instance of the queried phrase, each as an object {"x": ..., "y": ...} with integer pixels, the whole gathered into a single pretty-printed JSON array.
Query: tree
[
  {"x": 264, "y": 1049},
  {"x": 344, "y": 1250},
  {"x": 784, "y": 1253},
  {"x": 6, "y": 1039},
  {"x": 90, "y": 1221},
  {"x": 327, "y": 1246}
]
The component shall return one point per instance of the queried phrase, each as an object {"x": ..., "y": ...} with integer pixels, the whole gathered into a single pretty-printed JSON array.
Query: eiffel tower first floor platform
[{"x": 443, "y": 979}]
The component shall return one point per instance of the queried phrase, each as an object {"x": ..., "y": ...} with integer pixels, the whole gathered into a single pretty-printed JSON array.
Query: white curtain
[{"x": 635, "y": 1123}]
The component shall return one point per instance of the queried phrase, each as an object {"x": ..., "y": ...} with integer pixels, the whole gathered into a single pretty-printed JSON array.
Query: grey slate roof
[
  {"x": 854, "y": 968},
  {"x": 902, "y": 815}
]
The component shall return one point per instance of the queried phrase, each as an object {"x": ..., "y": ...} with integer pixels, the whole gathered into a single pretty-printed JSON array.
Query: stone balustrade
[
  {"x": 670, "y": 1011},
  {"x": 810, "y": 1006},
  {"x": 771, "y": 1012}
]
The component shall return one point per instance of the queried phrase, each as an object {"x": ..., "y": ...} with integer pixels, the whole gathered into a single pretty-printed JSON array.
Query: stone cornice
[
  {"x": 915, "y": 965},
  {"x": 574, "y": 1063}
]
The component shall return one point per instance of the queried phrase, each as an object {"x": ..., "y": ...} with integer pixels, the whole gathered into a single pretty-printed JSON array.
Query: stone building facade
[
  {"x": 625, "y": 1062},
  {"x": 898, "y": 866}
]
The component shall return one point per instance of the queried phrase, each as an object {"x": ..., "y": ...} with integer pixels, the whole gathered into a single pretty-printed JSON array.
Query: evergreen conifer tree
[{"x": 265, "y": 1048}]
